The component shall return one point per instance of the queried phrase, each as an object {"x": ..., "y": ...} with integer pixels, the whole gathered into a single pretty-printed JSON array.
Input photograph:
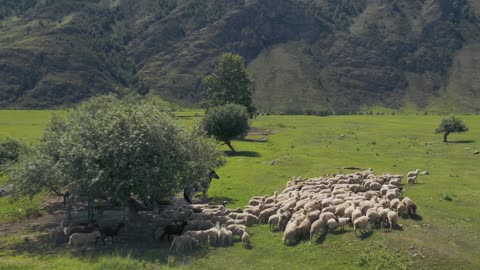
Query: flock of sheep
[{"x": 305, "y": 208}]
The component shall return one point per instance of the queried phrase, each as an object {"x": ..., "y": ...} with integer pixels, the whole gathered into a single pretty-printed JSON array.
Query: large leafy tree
[
  {"x": 109, "y": 148},
  {"x": 451, "y": 125},
  {"x": 230, "y": 83},
  {"x": 226, "y": 123}
]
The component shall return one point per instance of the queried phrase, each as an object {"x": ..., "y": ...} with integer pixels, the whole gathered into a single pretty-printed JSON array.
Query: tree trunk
[
  {"x": 445, "y": 136},
  {"x": 229, "y": 144}
]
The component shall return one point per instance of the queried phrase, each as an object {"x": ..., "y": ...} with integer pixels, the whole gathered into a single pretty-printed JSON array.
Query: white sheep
[
  {"x": 225, "y": 237},
  {"x": 412, "y": 180},
  {"x": 237, "y": 229},
  {"x": 290, "y": 234},
  {"x": 410, "y": 206},
  {"x": 342, "y": 222},
  {"x": 414, "y": 173},
  {"x": 316, "y": 227},
  {"x": 360, "y": 224},
  {"x": 183, "y": 243},
  {"x": 401, "y": 209},
  {"x": 332, "y": 224},
  {"x": 356, "y": 214},
  {"x": 246, "y": 240},
  {"x": 392, "y": 219},
  {"x": 200, "y": 236},
  {"x": 266, "y": 214},
  {"x": 79, "y": 239},
  {"x": 394, "y": 203}
]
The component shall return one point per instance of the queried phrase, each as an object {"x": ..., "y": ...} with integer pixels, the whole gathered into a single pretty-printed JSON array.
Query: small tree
[
  {"x": 230, "y": 83},
  {"x": 10, "y": 150},
  {"x": 109, "y": 148},
  {"x": 226, "y": 122},
  {"x": 451, "y": 125}
]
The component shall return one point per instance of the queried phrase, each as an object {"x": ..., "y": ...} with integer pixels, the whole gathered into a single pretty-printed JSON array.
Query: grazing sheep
[
  {"x": 110, "y": 231},
  {"x": 200, "y": 236},
  {"x": 373, "y": 216},
  {"x": 183, "y": 243},
  {"x": 173, "y": 229},
  {"x": 401, "y": 209},
  {"x": 316, "y": 227},
  {"x": 79, "y": 239},
  {"x": 356, "y": 214},
  {"x": 246, "y": 240},
  {"x": 342, "y": 222},
  {"x": 212, "y": 237},
  {"x": 414, "y": 173},
  {"x": 410, "y": 206},
  {"x": 360, "y": 224},
  {"x": 290, "y": 234},
  {"x": 251, "y": 219},
  {"x": 304, "y": 227},
  {"x": 326, "y": 216},
  {"x": 237, "y": 229},
  {"x": 57, "y": 236},
  {"x": 266, "y": 214},
  {"x": 81, "y": 229},
  {"x": 314, "y": 215},
  {"x": 243, "y": 221},
  {"x": 225, "y": 237},
  {"x": 332, "y": 224},
  {"x": 394, "y": 203},
  {"x": 392, "y": 219},
  {"x": 412, "y": 180}
]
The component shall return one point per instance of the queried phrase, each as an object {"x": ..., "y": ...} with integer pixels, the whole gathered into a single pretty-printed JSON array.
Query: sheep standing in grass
[
  {"x": 332, "y": 224},
  {"x": 410, "y": 206},
  {"x": 342, "y": 222},
  {"x": 392, "y": 219},
  {"x": 290, "y": 234},
  {"x": 414, "y": 173},
  {"x": 225, "y": 237},
  {"x": 79, "y": 239},
  {"x": 316, "y": 227},
  {"x": 246, "y": 240},
  {"x": 412, "y": 180},
  {"x": 183, "y": 243},
  {"x": 237, "y": 229},
  {"x": 360, "y": 224},
  {"x": 401, "y": 209}
]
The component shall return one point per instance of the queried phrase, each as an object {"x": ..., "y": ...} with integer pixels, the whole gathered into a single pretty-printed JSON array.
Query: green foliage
[
  {"x": 113, "y": 148},
  {"x": 226, "y": 123},
  {"x": 9, "y": 150},
  {"x": 230, "y": 83},
  {"x": 451, "y": 125}
]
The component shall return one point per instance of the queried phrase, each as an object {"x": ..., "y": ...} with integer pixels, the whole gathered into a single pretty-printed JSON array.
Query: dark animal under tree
[{"x": 201, "y": 186}]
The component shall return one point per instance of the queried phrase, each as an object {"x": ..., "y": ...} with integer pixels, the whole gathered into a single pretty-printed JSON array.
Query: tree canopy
[
  {"x": 109, "y": 148},
  {"x": 451, "y": 125},
  {"x": 230, "y": 83},
  {"x": 226, "y": 123}
]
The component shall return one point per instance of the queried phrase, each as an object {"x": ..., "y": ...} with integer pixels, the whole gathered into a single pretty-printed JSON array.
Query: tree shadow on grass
[
  {"x": 466, "y": 141},
  {"x": 262, "y": 140},
  {"x": 242, "y": 154}
]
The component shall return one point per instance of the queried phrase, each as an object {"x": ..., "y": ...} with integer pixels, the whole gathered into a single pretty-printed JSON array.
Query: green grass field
[{"x": 446, "y": 236}]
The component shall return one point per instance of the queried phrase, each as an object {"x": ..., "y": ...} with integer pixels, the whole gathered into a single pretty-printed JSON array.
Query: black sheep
[
  {"x": 109, "y": 231},
  {"x": 173, "y": 229}
]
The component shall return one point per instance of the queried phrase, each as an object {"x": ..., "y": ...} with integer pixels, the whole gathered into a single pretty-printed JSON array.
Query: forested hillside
[{"x": 340, "y": 56}]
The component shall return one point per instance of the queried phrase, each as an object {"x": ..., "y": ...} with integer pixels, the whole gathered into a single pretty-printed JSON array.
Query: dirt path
[{"x": 49, "y": 219}]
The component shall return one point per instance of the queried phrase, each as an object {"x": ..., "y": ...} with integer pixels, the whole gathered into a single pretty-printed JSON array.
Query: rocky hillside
[{"x": 337, "y": 55}]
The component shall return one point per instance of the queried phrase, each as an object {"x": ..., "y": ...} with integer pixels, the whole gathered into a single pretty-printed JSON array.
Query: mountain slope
[{"x": 336, "y": 55}]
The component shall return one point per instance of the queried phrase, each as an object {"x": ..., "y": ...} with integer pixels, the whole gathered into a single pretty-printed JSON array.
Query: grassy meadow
[{"x": 444, "y": 237}]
